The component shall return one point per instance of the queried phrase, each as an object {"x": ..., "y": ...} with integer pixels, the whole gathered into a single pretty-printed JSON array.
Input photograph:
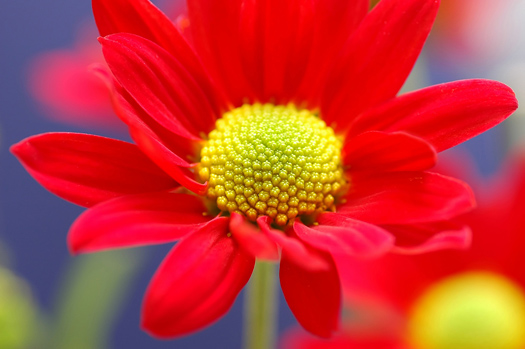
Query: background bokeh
[{"x": 34, "y": 223}]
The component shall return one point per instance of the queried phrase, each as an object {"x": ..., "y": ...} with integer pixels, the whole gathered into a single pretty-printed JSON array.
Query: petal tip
[
  {"x": 102, "y": 39},
  {"x": 74, "y": 247},
  {"x": 150, "y": 327},
  {"x": 22, "y": 147},
  {"x": 17, "y": 148}
]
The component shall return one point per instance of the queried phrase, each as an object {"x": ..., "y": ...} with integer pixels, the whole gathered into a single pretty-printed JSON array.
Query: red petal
[
  {"x": 169, "y": 151},
  {"x": 143, "y": 219},
  {"x": 215, "y": 31},
  {"x": 183, "y": 149},
  {"x": 339, "y": 235},
  {"x": 334, "y": 22},
  {"x": 86, "y": 169},
  {"x": 422, "y": 238},
  {"x": 139, "y": 17},
  {"x": 296, "y": 250},
  {"x": 273, "y": 34},
  {"x": 142, "y": 18},
  {"x": 406, "y": 197},
  {"x": 314, "y": 297},
  {"x": 377, "y": 58},
  {"x": 197, "y": 283},
  {"x": 160, "y": 84},
  {"x": 251, "y": 239},
  {"x": 444, "y": 115},
  {"x": 380, "y": 151},
  {"x": 166, "y": 159}
]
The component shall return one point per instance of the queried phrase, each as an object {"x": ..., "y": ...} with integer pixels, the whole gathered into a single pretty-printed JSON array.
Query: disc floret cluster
[{"x": 272, "y": 160}]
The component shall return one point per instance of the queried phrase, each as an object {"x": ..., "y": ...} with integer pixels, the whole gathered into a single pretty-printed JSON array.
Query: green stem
[{"x": 260, "y": 307}]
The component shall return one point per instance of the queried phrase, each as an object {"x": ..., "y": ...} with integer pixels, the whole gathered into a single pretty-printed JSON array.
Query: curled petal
[
  {"x": 140, "y": 122},
  {"x": 406, "y": 197},
  {"x": 87, "y": 169},
  {"x": 197, "y": 283},
  {"x": 142, "y": 18},
  {"x": 422, "y": 238},
  {"x": 295, "y": 249},
  {"x": 339, "y": 235},
  {"x": 160, "y": 84},
  {"x": 170, "y": 151},
  {"x": 381, "y": 151},
  {"x": 133, "y": 220},
  {"x": 166, "y": 159},
  {"x": 252, "y": 239},
  {"x": 314, "y": 297},
  {"x": 444, "y": 115}
]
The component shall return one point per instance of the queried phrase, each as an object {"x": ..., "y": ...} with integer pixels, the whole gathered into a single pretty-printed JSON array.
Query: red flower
[{"x": 191, "y": 102}]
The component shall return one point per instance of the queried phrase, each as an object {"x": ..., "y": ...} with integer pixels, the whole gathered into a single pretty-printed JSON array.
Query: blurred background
[{"x": 94, "y": 301}]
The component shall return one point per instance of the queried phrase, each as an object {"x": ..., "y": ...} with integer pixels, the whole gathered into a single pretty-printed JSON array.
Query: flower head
[
  {"x": 272, "y": 161},
  {"x": 265, "y": 129}
]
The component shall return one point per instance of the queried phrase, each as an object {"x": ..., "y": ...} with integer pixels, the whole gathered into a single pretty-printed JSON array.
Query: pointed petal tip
[
  {"x": 502, "y": 93},
  {"x": 21, "y": 148},
  {"x": 513, "y": 101},
  {"x": 74, "y": 246},
  {"x": 504, "y": 90},
  {"x": 325, "y": 332},
  {"x": 24, "y": 150},
  {"x": 151, "y": 328},
  {"x": 16, "y": 149},
  {"x": 103, "y": 39},
  {"x": 107, "y": 39},
  {"x": 73, "y": 251}
]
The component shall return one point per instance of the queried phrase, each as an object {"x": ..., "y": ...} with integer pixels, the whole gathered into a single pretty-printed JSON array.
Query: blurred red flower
[
  {"x": 65, "y": 82},
  {"x": 445, "y": 299},
  {"x": 266, "y": 127}
]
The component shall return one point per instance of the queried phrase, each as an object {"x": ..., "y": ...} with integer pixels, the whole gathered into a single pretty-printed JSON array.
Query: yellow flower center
[
  {"x": 476, "y": 310},
  {"x": 272, "y": 160}
]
